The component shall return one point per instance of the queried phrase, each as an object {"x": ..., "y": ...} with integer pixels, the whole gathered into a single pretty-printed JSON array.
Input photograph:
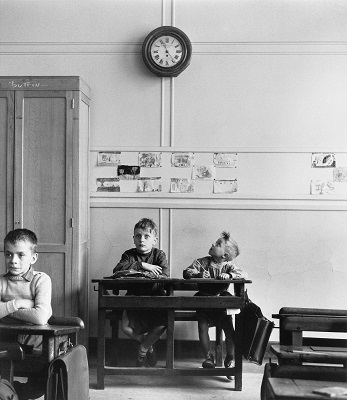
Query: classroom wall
[{"x": 267, "y": 81}]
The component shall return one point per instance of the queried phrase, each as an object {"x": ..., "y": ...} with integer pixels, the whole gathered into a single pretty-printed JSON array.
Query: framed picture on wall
[
  {"x": 107, "y": 185},
  {"x": 205, "y": 172},
  {"x": 181, "y": 185},
  {"x": 150, "y": 160},
  {"x": 225, "y": 186},
  {"x": 182, "y": 160},
  {"x": 152, "y": 184},
  {"x": 323, "y": 160},
  {"x": 108, "y": 158},
  {"x": 225, "y": 160}
]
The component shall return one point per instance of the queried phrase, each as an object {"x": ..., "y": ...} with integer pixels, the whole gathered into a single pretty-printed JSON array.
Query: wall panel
[
  {"x": 284, "y": 253},
  {"x": 254, "y": 100}
]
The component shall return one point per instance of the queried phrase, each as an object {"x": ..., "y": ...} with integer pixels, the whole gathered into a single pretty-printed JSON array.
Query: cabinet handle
[{"x": 17, "y": 222}]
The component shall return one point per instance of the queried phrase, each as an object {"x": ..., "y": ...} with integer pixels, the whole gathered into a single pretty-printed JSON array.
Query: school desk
[{"x": 108, "y": 299}]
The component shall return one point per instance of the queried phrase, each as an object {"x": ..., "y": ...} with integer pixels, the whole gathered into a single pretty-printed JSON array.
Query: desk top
[
  {"x": 179, "y": 281},
  {"x": 301, "y": 389},
  {"x": 45, "y": 330}
]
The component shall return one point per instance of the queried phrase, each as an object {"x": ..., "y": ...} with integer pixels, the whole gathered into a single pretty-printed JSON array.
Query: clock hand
[{"x": 168, "y": 52}]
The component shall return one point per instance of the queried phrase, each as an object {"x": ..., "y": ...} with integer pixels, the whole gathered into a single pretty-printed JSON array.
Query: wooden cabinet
[{"x": 44, "y": 149}]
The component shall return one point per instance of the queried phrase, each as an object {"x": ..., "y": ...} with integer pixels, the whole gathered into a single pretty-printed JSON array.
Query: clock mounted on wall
[{"x": 167, "y": 51}]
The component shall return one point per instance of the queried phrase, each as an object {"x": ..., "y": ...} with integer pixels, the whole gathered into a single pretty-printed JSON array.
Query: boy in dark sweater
[{"x": 145, "y": 326}]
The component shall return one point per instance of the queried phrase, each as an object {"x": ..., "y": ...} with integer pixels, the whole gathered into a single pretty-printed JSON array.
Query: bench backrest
[{"x": 294, "y": 321}]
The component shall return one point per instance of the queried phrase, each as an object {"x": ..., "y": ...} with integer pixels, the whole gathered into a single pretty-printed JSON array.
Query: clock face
[{"x": 166, "y": 51}]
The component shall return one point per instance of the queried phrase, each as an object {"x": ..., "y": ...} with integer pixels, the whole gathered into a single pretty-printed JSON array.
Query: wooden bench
[
  {"x": 294, "y": 321},
  {"x": 115, "y": 318},
  {"x": 294, "y": 347},
  {"x": 304, "y": 357}
]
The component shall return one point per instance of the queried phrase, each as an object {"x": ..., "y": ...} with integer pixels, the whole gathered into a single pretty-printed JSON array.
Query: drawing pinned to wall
[
  {"x": 323, "y": 160},
  {"x": 225, "y": 186},
  {"x": 182, "y": 160},
  {"x": 128, "y": 171},
  {"x": 152, "y": 184},
  {"x": 107, "y": 185},
  {"x": 109, "y": 158},
  {"x": 206, "y": 172},
  {"x": 225, "y": 160},
  {"x": 150, "y": 160},
  {"x": 322, "y": 187},
  {"x": 181, "y": 185},
  {"x": 340, "y": 174}
]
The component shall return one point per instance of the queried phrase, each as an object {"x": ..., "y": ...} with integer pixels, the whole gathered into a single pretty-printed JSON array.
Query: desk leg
[
  {"x": 101, "y": 349},
  {"x": 7, "y": 370},
  {"x": 238, "y": 351},
  {"x": 170, "y": 343}
]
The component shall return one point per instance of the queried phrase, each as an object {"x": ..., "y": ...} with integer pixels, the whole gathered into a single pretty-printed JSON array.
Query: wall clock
[{"x": 167, "y": 51}]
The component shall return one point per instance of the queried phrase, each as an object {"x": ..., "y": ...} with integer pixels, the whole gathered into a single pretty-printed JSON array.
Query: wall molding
[
  {"x": 173, "y": 149},
  {"x": 216, "y": 202},
  {"x": 199, "y": 48}
]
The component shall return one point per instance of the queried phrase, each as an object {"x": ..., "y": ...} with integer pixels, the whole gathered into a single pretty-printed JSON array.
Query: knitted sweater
[
  {"x": 132, "y": 259},
  {"x": 33, "y": 285},
  {"x": 215, "y": 269}
]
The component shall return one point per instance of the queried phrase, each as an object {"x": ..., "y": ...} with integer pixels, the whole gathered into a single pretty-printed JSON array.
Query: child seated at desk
[
  {"x": 145, "y": 326},
  {"x": 217, "y": 265},
  {"x": 25, "y": 294}
]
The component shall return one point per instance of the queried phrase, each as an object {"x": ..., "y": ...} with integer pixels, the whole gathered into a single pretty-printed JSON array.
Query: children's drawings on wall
[
  {"x": 109, "y": 158},
  {"x": 225, "y": 160},
  {"x": 181, "y": 185},
  {"x": 322, "y": 187},
  {"x": 182, "y": 160},
  {"x": 129, "y": 171},
  {"x": 323, "y": 160},
  {"x": 107, "y": 185},
  {"x": 336, "y": 183},
  {"x": 206, "y": 172},
  {"x": 340, "y": 174},
  {"x": 150, "y": 160},
  {"x": 225, "y": 186},
  {"x": 152, "y": 184}
]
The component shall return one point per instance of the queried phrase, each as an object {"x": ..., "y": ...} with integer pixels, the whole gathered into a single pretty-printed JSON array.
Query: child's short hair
[
  {"x": 231, "y": 246},
  {"x": 24, "y": 235},
  {"x": 147, "y": 224}
]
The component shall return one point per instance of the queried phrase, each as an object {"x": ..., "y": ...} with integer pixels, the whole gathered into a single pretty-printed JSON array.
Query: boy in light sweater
[
  {"x": 25, "y": 294},
  {"x": 217, "y": 265}
]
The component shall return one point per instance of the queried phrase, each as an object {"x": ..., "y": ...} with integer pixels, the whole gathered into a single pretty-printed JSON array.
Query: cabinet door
[
  {"x": 6, "y": 163},
  {"x": 43, "y": 184}
]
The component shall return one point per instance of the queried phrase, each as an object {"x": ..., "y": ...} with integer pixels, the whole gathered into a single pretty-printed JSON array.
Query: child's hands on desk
[
  {"x": 224, "y": 276},
  {"x": 204, "y": 274},
  {"x": 155, "y": 269}
]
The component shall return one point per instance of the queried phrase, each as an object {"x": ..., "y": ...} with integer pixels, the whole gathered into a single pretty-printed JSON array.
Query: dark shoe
[
  {"x": 152, "y": 357},
  {"x": 229, "y": 363},
  {"x": 209, "y": 361},
  {"x": 141, "y": 361}
]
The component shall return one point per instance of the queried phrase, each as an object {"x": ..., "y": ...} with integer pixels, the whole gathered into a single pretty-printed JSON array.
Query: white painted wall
[{"x": 267, "y": 80}]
